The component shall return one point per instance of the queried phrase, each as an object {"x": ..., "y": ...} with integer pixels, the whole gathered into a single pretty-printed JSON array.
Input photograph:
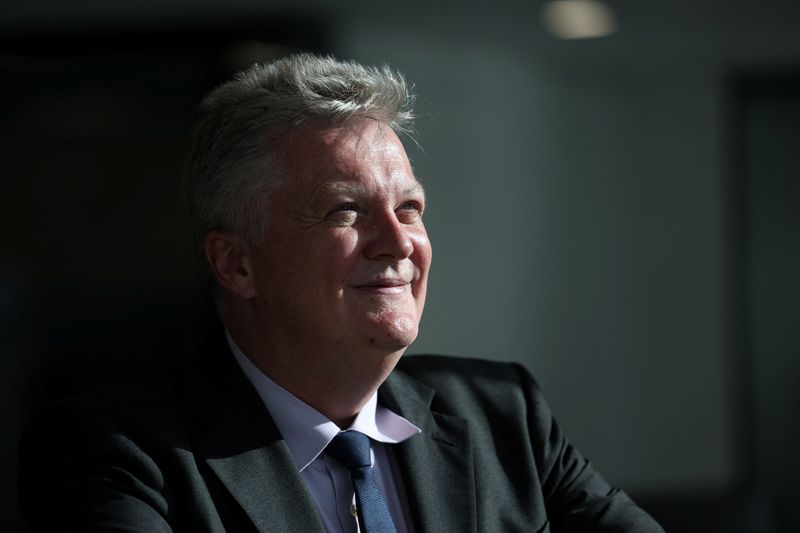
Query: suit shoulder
[
  {"x": 424, "y": 367},
  {"x": 464, "y": 381}
]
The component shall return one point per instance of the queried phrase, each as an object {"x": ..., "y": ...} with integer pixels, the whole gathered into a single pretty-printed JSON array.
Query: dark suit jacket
[{"x": 197, "y": 451}]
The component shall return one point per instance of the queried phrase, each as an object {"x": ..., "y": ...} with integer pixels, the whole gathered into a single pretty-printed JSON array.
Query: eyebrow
[
  {"x": 338, "y": 187},
  {"x": 417, "y": 188}
]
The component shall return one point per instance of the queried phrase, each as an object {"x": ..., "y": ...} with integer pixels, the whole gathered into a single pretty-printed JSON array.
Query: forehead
[{"x": 366, "y": 151}]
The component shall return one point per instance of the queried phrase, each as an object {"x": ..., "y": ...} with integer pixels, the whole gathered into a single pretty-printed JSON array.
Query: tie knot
[{"x": 351, "y": 448}]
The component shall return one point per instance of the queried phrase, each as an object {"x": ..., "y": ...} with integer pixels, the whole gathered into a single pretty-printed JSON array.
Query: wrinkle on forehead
[
  {"x": 333, "y": 188},
  {"x": 338, "y": 158},
  {"x": 378, "y": 141}
]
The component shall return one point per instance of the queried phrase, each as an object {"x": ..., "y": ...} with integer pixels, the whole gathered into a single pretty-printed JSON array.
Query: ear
[{"x": 230, "y": 261}]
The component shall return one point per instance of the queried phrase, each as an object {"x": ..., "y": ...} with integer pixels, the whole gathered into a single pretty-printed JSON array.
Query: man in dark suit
[{"x": 301, "y": 415}]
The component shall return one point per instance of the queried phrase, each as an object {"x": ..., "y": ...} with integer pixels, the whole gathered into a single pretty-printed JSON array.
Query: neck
[
  {"x": 337, "y": 395},
  {"x": 337, "y": 383}
]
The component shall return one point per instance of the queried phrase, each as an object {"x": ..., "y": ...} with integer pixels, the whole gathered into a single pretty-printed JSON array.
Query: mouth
[{"x": 384, "y": 286}]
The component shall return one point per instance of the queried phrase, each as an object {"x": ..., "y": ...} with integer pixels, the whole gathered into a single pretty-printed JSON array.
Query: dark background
[{"x": 619, "y": 214}]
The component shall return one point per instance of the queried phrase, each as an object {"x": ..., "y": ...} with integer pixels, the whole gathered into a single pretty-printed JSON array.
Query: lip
[{"x": 384, "y": 286}]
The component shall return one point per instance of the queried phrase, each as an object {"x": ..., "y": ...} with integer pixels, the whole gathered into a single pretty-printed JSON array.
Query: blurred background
[{"x": 614, "y": 201}]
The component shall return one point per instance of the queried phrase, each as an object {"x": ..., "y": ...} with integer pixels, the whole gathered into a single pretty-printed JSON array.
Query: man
[{"x": 304, "y": 417}]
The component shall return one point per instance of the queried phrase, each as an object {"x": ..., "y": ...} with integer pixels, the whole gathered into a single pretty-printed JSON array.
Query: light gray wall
[{"x": 577, "y": 206}]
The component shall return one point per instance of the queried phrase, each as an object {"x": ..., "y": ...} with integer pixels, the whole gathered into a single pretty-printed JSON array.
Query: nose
[{"x": 388, "y": 238}]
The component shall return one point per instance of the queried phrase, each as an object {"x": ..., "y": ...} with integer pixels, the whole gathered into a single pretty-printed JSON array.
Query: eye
[
  {"x": 410, "y": 212},
  {"x": 344, "y": 214}
]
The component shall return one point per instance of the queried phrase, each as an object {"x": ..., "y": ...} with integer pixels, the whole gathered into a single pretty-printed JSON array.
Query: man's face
[{"x": 344, "y": 261}]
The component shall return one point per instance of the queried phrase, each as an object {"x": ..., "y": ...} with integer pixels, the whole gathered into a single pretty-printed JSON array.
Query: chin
[{"x": 393, "y": 331}]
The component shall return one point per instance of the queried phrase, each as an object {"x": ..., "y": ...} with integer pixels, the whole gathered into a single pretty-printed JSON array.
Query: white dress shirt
[{"x": 308, "y": 432}]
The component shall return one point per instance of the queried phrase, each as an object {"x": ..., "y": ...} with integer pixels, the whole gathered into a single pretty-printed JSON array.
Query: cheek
[
  {"x": 422, "y": 251},
  {"x": 336, "y": 255},
  {"x": 346, "y": 242},
  {"x": 422, "y": 261},
  {"x": 320, "y": 251}
]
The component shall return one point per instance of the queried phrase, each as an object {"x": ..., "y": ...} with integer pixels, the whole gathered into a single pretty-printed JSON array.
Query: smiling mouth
[{"x": 388, "y": 286}]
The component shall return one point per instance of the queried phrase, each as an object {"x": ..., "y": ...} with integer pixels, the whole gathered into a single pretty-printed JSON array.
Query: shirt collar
[{"x": 308, "y": 432}]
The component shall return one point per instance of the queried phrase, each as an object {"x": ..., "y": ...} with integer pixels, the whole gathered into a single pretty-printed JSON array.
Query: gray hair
[{"x": 229, "y": 172}]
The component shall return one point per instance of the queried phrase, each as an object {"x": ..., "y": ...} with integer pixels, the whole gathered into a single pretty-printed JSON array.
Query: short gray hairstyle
[{"x": 229, "y": 172}]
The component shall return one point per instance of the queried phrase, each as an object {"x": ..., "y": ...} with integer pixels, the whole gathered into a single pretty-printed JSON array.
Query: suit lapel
[
  {"x": 241, "y": 444},
  {"x": 436, "y": 465}
]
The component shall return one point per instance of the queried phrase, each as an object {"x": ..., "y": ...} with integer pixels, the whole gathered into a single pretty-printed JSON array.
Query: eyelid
[
  {"x": 345, "y": 206},
  {"x": 418, "y": 205}
]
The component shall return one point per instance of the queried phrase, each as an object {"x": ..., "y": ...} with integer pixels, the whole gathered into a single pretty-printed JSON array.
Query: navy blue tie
[{"x": 351, "y": 448}]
